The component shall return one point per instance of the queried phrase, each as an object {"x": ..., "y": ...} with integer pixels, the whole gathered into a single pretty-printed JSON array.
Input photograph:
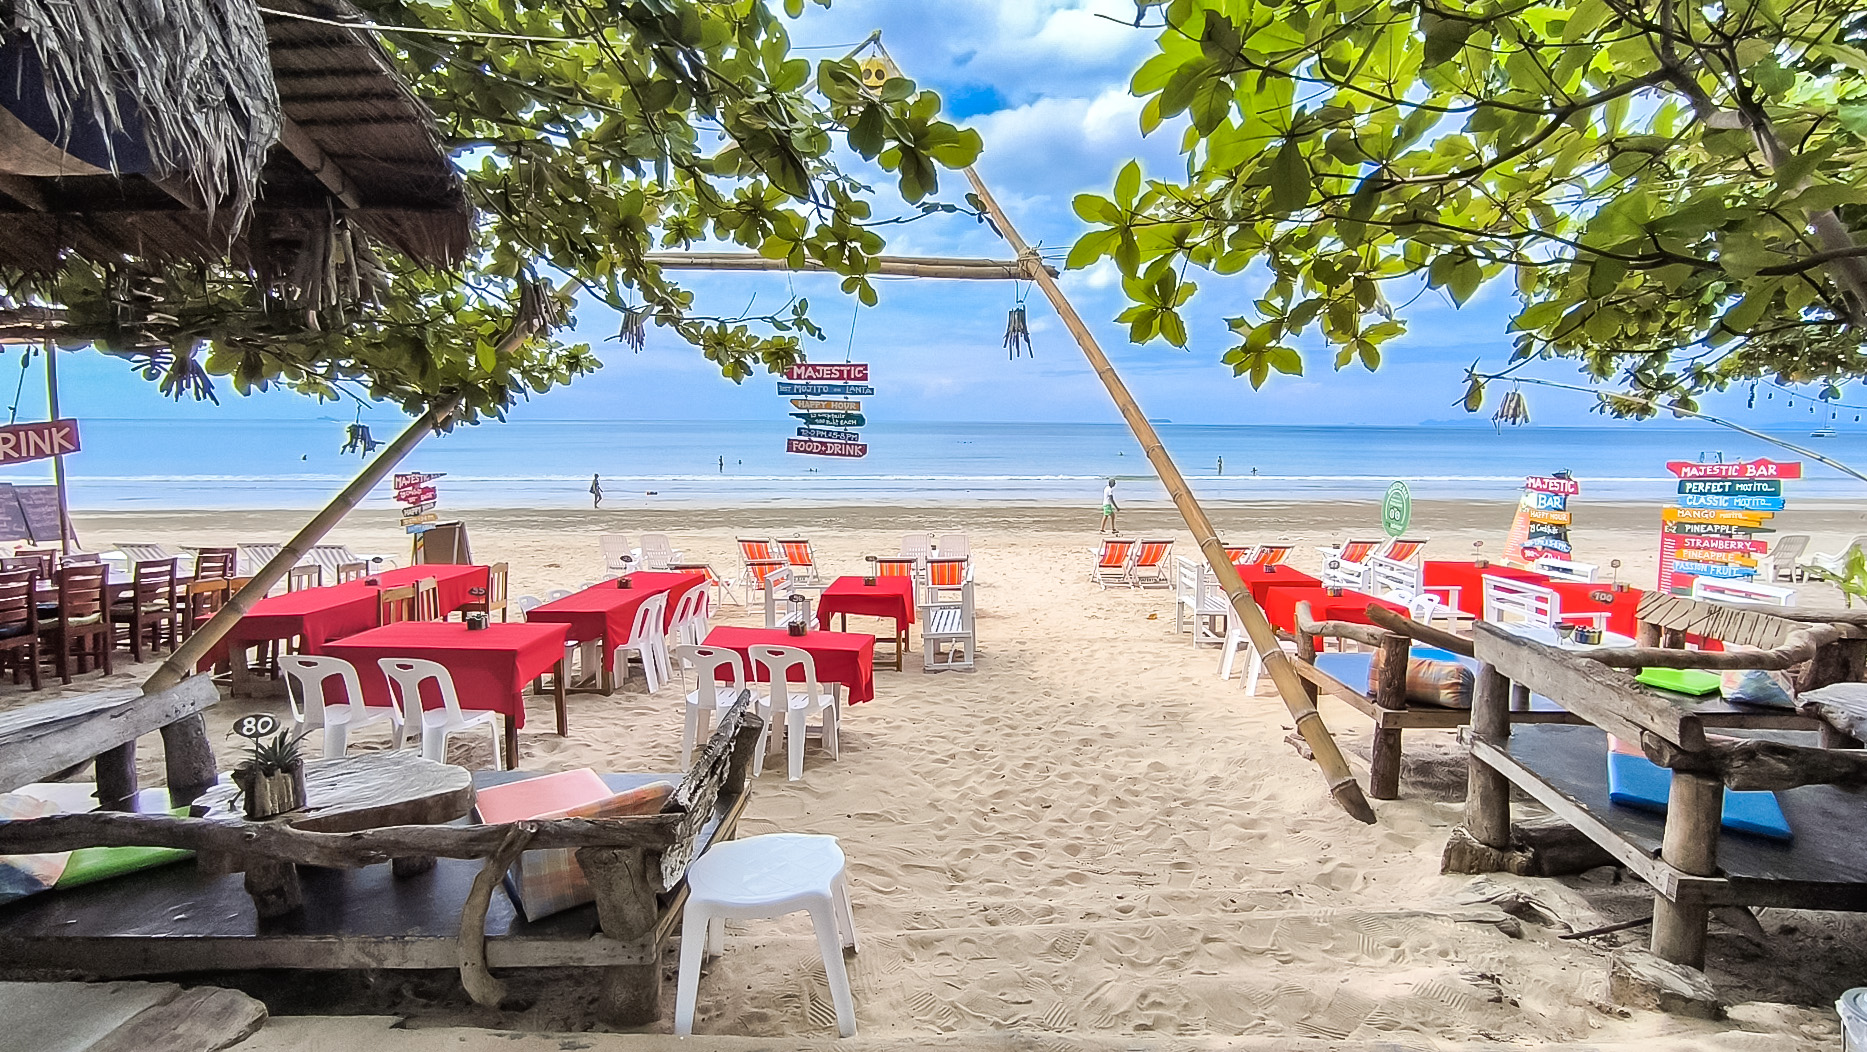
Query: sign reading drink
[
  {"x": 1709, "y": 530},
  {"x": 819, "y": 448},
  {"x": 50, "y": 438}
]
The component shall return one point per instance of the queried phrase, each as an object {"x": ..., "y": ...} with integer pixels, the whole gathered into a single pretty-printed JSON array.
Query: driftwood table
[{"x": 345, "y": 795}]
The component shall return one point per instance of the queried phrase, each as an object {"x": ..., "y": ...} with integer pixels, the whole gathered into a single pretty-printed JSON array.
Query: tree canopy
[
  {"x": 590, "y": 134},
  {"x": 1677, "y": 190}
]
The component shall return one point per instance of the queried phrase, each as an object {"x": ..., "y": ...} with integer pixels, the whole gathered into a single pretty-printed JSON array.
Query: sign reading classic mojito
[
  {"x": 825, "y": 395},
  {"x": 1710, "y": 530}
]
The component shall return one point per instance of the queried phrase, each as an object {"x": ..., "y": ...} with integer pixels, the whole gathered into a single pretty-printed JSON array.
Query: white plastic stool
[{"x": 767, "y": 876}]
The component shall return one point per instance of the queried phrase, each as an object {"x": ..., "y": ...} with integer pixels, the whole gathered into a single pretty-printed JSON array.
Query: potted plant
[{"x": 272, "y": 780}]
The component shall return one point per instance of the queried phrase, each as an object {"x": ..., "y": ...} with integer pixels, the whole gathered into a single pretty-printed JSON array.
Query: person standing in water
[
  {"x": 1108, "y": 508},
  {"x": 1221, "y": 465},
  {"x": 722, "y": 465},
  {"x": 596, "y": 490}
]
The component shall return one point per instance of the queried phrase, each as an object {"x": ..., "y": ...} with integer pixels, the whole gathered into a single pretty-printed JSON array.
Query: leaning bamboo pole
[
  {"x": 197, "y": 646},
  {"x": 886, "y": 266},
  {"x": 1297, "y": 698}
]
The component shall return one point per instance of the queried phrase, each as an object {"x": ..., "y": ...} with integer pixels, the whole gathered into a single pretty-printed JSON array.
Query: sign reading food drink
[
  {"x": 1710, "y": 529},
  {"x": 824, "y": 395},
  {"x": 1541, "y": 528},
  {"x": 50, "y": 438}
]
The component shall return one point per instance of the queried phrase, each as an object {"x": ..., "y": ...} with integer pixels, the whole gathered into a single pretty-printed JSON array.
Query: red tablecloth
[
  {"x": 318, "y": 615},
  {"x": 1586, "y": 598},
  {"x": 1461, "y": 584},
  {"x": 450, "y": 581},
  {"x": 1259, "y": 580},
  {"x": 606, "y": 612},
  {"x": 891, "y": 597},
  {"x": 1280, "y": 606},
  {"x": 490, "y": 667},
  {"x": 847, "y": 658}
]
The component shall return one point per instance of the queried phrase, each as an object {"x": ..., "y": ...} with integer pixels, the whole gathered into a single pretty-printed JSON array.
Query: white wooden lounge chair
[
  {"x": 778, "y": 587},
  {"x": 1566, "y": 569},
  {"x": 1746, "y": 593},
  {"x": 1507, "y": 600},
  {"x": 1346, "y": 566},
  {"x": 947, "y": 640}
]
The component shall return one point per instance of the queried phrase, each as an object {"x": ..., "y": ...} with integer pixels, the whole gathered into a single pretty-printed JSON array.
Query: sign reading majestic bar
[
  {"x": 1709, "y": 530},
  {"x": 50, "y": 438}
]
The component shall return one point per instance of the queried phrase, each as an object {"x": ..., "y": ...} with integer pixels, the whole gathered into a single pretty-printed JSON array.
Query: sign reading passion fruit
[{"x": 825, "y": 396}]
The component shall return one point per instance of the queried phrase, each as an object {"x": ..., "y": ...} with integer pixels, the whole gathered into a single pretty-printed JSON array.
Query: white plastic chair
[
  {"x": 689, "y": 625},
  {"x": 797, "y": 700},
  {"x": 778, "y": 585},
  {"x": 528, "y": 603},
  {"x": 648, "y": 642},
  {"x": 557, "y": 593},
  {"x": 656, "y": 552},
  {"x": 305, "y": 676},
  {"x": 406, "y": 675},
  {"x": 767, "y": 876},
  {"x": 709, "y": 694},
  {"x": 954, "y": 546},
  {"x": 618, "y": 557},
  {"x": 916, "y": 546}
]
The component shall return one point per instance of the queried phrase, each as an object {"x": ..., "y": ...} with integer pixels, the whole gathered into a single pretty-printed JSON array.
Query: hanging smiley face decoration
[{"x": 874, "y": 73}]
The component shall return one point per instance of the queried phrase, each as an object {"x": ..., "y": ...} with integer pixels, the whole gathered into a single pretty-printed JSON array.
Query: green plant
[
  {"x": 279, "y": 753},
  {"x": 1852, "y": 580}
]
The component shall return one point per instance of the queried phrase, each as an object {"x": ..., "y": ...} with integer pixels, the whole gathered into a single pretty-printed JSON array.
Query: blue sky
[{"x": 1045, "y": 83}]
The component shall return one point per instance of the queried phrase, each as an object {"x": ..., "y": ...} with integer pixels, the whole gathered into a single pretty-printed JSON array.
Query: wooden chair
[
  {"x": 83, "y": 623},
  {"x": 153, "y": 606},
  {"x": 81, "y": 559},
  {"x": 42, "y": 563},
  {"x": 495, "y": 594},
  {"x": 19, "y": 626},
  {"x": 202, "y": 598},
  {"x": 215, "y": 562},
  {"x": 299, "y": 578},
  {"x": 348, "y": 572},
  {"x": 395, "y": 605},
  {"x": 427, "y": 600}
]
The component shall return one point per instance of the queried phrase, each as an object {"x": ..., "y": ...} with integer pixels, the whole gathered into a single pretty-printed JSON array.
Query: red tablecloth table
[
  {"x": 605, "y": 613},
  {"x": 1259, "y": 580},
  {"x": 490, "y": 667},
  {"x": 1280, "y": 606},
  {"x": 890, "y": 597},
  {"x": 1461, "y": 584},
  {"x": 847, "y": 658},
  {"x": 452, "y": 582}
]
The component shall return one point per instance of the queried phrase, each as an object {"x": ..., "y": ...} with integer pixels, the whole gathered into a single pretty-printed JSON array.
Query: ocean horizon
[{"x": 214, "y": 464}]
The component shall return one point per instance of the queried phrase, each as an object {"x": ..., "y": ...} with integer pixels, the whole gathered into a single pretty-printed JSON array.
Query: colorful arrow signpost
[
  {"x": 1710, "y": 531},
  {"x": 1541, "y": 528},
  {"x": 417, "y": 497},
  {"x": 824, "y": 395}
]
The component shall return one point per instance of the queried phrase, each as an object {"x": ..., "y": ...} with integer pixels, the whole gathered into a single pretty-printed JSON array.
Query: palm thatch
[{"x": 196, "y": 71}]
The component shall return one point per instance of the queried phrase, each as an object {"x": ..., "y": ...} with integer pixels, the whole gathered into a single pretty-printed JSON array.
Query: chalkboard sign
[
  {"x": 40, "y": 503},
  {"x": 12, "y": 519}
]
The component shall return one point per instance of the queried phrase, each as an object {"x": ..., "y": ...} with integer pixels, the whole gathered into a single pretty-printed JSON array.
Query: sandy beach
[{"x": 1092, "y": 836}]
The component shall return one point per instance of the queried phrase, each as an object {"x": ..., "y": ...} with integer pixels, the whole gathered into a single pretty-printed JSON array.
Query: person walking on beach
[
  {"x": 596, "y": 490},
  {"x": 1108, "y": 508}
]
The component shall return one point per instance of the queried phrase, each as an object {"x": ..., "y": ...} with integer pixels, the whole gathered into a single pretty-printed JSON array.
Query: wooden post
[
  {"x": 624, "y": 880},
  {"x": 1290, "y": 686},
  {"x": 188, "y": 757},
  {"x": 1390, "y": 695},
  {"x": 1487, "y": 792},
  {"x": 58, "y": 459},
  {"x": 1694, "y": 812},
  {"x": 115, "y": 774},
  {"x": 182, "y": 661}
]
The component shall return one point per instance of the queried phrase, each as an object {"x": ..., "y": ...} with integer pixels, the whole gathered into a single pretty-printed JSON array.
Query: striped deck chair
[
  {"x": 1112, "y": 563},
  {"x": 799, "y": 557},
  {"x": 1239, "y": 555},
  {"x": 1347, "y": 566},
  {"x": 1270, "y": 554},
  {"x": 722, "y": 588},
  {"x": 899, "y": 566},
  {"x": 760, "y": 557},
  {"x": 1148, "y": 567},
  {"x": 946, "y": 575},
  {"x": 1402, "y": 549}
]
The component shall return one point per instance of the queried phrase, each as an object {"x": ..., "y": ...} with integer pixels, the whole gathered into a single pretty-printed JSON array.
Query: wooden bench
[
  {"x": 356, "y": 915},
  {"x": 38, "y": 741},
  {"x": 1682, "y": 855}
]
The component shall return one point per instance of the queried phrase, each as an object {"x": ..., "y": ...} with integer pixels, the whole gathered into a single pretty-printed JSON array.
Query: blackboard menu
[
  {"x": 40, "y": 504},
  {"x": 12, "y": 518}
]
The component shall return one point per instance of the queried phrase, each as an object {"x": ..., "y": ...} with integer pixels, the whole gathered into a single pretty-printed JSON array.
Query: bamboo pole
[
  {"x": 181, "y": 663},
  {"x": 887, "y": 266},
  {"x": 1309, "y": 723},
  {"x": 58, "y": 459}
]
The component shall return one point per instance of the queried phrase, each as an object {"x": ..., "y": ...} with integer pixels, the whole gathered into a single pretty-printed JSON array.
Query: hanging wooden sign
[
  {"x": 1744, "y": 469},
  {"x": 1541, "y": 527},
  {"x": 1707, "y": 531},
  {"x": 49, "y": 438},
  {"x": 825, "y": 390},
  {"x": 829, "y": 435},
  {"x": 1699, "y": 500},
  {"x": 831, "y": 419},
  {"x": 822, "y": 406},
  {"x": 844, "y": 371},
  {"x": 819, "y": 448},
  {"x": 1732, "y": 487}
]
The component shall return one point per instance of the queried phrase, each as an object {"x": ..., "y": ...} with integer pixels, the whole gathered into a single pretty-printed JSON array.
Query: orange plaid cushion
[{"x": 551, "y": 881}]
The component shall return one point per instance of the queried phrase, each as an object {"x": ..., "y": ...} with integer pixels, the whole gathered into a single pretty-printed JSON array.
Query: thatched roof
[{"x": 348, "y": 140}]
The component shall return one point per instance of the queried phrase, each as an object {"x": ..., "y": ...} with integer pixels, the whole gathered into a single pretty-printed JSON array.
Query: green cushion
[
  {"x": 1682, "y": 680},
  {"x": 88, "y": 865}
]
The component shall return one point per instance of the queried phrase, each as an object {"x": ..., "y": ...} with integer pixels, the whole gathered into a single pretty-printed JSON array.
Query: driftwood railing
[{"x": 630, "y": 862}]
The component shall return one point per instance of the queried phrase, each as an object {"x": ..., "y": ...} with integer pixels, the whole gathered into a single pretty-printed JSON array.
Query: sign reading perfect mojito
[{"x": 1711, "y": 530}]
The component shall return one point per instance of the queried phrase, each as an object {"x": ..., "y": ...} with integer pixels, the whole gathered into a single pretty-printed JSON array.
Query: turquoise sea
[{"x": 151, "y": 464}]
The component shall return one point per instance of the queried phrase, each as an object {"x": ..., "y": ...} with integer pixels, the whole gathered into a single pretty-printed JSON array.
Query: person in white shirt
[{"x": 1108, "y": 508}]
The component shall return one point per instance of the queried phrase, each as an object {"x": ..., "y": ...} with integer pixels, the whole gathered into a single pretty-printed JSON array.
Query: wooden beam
[
  {"x": 23, "y": 190},
  {"x": 1605, "y": 697},
  {"x": 299, "y": 144},
  {"x": 887, "y": 266},
  {"x": 37, "y": 741},
  {"x": 1419, "y": 631},
  {"x": 1760, "y": 764}
]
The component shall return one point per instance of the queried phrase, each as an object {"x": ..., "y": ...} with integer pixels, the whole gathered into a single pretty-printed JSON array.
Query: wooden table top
[{"x": 364, "y": 791}]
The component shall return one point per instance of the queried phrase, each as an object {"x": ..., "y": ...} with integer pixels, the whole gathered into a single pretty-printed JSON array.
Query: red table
[
  {"x": 452, "y": 582},
  {"x": 605, "y": 613},
  {"x": 1280, "y": 606},
  {"x": 890, "y": 597},
  {"x": 1462, "y": 583},
  {"x": 490, "y": 667},
  {"x": 1261, "y": 579},
  {"x": 847, "y": 658}
]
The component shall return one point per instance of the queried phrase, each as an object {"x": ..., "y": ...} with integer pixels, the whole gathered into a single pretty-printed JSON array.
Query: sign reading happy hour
[
  {"x": 1541, "y": 528},
  {"x": 826, "y": 396},
  {"x": 1711, "y": 529}
]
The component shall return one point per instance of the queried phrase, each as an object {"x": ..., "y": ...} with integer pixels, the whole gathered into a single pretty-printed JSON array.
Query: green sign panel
[{"x": 1396, "y": 510}]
